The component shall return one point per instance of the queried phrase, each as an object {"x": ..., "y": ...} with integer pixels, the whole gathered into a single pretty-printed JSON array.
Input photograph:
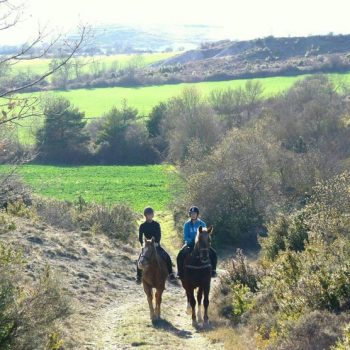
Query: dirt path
[
  {"x": 125, "y": 324},
  {"x": 110, "y": 310}
]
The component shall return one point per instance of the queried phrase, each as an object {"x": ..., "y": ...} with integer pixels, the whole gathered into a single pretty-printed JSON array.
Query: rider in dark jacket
[
  {"x": 190, "y": 231},
  {"x": 149, "y": 229}
]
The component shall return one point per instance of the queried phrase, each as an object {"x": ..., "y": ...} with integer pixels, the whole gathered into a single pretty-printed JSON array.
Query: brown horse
[
  {"x": 154, "y": 275},
  {"x": 197, "y": 274}
]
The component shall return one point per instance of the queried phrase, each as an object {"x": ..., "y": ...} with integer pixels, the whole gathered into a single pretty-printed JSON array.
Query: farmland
[
  {"x": 41, "y": 65},
  {"x": 96, "y": 102},
  {"x": 138, "y": 186}
]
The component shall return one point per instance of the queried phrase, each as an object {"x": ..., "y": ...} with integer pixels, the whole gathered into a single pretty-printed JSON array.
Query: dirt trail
[
  {"x": 125, "y": 324},
  {"x": 110, "y": 310}
]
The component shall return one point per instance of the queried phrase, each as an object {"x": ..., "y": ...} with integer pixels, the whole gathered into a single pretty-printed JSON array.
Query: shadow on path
[{"x": 169, "y": 327}]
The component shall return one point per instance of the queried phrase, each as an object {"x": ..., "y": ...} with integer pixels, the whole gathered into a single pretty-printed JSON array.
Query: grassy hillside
[{"x": 137, "y": 185}]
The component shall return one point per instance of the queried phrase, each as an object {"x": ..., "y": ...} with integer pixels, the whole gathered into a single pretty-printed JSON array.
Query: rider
[
  {"x": 190, "y": 231},
  {"x": 149, "y": 229}
]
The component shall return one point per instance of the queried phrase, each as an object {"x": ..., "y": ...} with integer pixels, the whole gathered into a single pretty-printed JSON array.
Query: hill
[{"x": 260, "y": 57}]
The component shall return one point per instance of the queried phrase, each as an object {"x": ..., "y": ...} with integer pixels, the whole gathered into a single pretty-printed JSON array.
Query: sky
[{"x": 239, "y": 20}]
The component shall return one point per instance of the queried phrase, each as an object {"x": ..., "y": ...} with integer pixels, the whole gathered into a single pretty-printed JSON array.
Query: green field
[
  {"x": 40, "y": 66},
  {"x": 95, "y": 102},
  {"x": 138, "y": 186}
]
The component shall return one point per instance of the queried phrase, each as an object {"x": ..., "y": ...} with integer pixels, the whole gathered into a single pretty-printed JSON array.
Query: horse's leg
[
  {"x": 190, "y": 296},
  {"x": 149, "y": 293},
  {"x": 199, "y": 302},
  {"x": 188, "y": 307},
  {"x": 159, "y": 293},
  {"x": 206, "y": 291}
]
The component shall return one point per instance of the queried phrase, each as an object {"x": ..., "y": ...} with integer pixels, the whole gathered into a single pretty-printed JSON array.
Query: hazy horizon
[{"x": 234, "y": 20}]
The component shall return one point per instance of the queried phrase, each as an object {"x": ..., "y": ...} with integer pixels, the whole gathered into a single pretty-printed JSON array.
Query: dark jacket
[{"x": 149, "y": 230}]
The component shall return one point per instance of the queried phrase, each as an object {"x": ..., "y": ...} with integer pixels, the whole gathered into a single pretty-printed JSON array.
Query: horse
[
  {"x": 197, "y": 274},
  {"x": 154, "y": 275}
]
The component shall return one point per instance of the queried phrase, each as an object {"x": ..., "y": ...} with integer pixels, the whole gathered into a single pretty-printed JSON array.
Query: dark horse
[
  {"x": 155, "y": 273},
  {"x": 197, "y": 274}
]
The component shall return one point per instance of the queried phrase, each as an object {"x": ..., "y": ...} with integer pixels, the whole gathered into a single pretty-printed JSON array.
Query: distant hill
[
  {"x": 258, "y": 58},
  {"x": 269, "y": 48},
  {"x": 128, "y": 39}
]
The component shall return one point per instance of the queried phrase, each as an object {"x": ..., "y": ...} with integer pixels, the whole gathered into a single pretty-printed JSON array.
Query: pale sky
[{"x": 244, "y": 19}]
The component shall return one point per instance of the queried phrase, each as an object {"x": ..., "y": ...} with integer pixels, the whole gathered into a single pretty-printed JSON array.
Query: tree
[
  {"x": 62, "y": 139},
  {"x": 190, "y": 119},
  {"x": 237, "y": 105},
  {"x": 122, "y": 140}
]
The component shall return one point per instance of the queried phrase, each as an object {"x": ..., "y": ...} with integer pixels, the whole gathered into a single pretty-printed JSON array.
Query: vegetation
[
  {"x": 268, "y": 162},
  {"x": 89, "y": 64},
  {"x": 62, "y": 139},
  {"x": 137, "y": 185},
  {"x": 301, "y": 292},
  {"x": 30, "y": 312}
]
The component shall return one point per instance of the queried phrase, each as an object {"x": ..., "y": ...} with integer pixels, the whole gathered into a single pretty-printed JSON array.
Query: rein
[{"x": 198, "y": 267}]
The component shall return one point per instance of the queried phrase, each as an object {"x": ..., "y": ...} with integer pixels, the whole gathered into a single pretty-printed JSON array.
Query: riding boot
[
  {"x": 213, "y": 260},
  {"x": 138, "y": 275},
  {"x": 180, "y": 264}
]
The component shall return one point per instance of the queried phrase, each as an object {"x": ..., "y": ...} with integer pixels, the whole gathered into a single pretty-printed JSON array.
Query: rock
[
  {"x": 83, "y": 275},
  {"x": 36, "y": 240},
  {"x": 84, "y": 251},
  {"x": 67, "y": 255}
]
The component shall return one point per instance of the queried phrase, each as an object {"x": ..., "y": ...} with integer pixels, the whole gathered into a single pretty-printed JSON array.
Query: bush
[
  {"x": 301, "y": 291},
  {"x": 121, "y": 139},
  {"x": 317, "y": 330},
  {"x": 233, "y": 295},
  {"x": 286, "y": 233},
  {"x": 12, "y": 189},
  {"x": 233, "y": 186},
  {"x": 344, "y": 343},
  {"x": 56, "y": 213},
  {"x": 29, "y": 312},
  {"x": 117, "y": 222}
]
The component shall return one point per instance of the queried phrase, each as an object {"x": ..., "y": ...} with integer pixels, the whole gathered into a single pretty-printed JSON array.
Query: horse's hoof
[
  {"x": 206, "y": 323},
  {"x": 194, "y": 323}
]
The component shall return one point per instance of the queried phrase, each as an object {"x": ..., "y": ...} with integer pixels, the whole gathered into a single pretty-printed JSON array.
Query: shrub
[
  {"x": 29, "y": 312},
  {"x": 56, "y": 213},
  {"x": 233, "y": 295},
  {"x": 317, "y": 330},
  {"x": 286, "y": 233},
  {"x": 118, "y": 222},
  {"x": 344, "y": 343}
]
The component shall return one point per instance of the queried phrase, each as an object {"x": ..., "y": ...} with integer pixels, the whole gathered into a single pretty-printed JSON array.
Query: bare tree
[{"x": 14, "y": 107}]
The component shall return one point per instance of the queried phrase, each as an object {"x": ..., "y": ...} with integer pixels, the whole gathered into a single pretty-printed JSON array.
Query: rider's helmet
[
  {"x": 148, "y": 210},
  {"x": 193, "y": 209}
]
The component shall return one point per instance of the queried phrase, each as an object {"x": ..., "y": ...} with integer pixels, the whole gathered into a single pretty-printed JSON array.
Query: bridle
[{"x": 147, "y": 258}]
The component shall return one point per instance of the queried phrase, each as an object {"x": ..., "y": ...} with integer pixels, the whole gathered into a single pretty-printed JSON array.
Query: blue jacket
[{"x": 190, "y": 230}]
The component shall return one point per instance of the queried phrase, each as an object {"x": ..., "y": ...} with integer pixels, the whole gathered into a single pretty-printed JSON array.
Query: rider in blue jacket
[{"x": 190, "y": 232}]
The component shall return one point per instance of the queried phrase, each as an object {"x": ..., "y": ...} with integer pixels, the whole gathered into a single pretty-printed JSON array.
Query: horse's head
[
  {"x": 147, "y": 254},
  {"x": 203, "y": 241}
]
